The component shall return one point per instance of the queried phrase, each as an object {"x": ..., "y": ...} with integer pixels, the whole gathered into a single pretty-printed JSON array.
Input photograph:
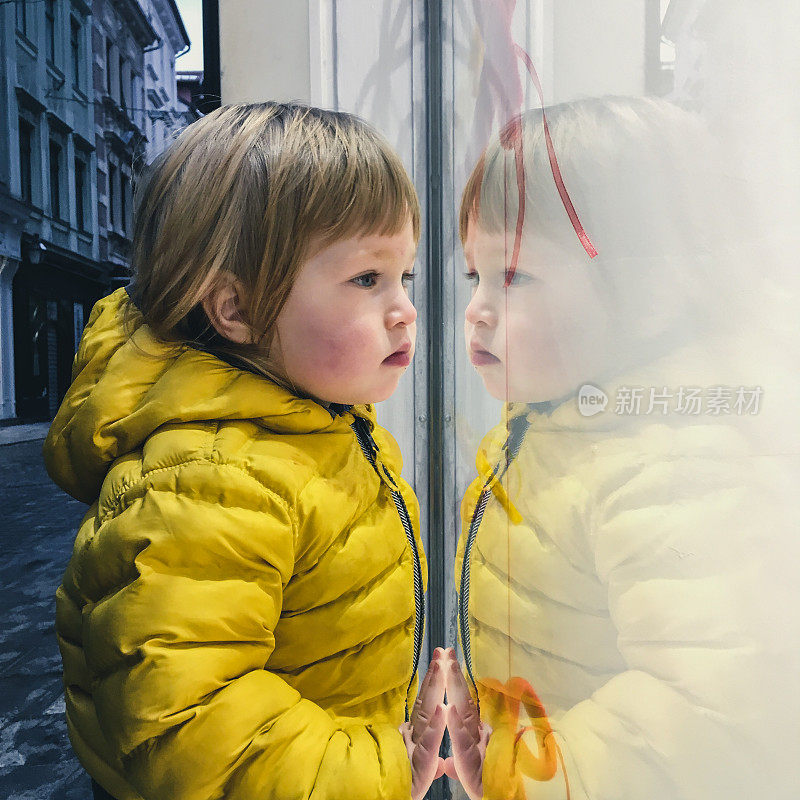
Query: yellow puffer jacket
[
  {"x": 239, "y": 618},
  {"x": 633, "y": 571}
]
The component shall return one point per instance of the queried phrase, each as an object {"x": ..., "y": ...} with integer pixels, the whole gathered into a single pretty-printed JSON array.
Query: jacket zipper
[
  {"x": 511, "y": 447},
  {"x": 369, "y": 448}
]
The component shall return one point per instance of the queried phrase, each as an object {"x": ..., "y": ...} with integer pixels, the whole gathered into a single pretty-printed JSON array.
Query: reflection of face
[
  {"x": 347, "y": 312},
  {"x": 544, "y": 335}
]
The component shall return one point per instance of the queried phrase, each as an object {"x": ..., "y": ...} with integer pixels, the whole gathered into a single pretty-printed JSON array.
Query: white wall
[
  {"x": 264, "y": 50},
  {"x": 362, "y": 57},
  {"x": 598, "y": 48}
]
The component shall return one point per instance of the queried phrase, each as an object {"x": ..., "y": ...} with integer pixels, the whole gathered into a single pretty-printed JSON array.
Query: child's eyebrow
[
  {"x": 380, "y": 252},
  {"x": 387, "y": 254}
]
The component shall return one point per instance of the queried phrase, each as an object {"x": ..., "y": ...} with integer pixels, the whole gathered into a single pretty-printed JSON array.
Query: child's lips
[
  {"x": 398, "y": 359},
  {"x": 401, "y": 357},
  {"x": 480, "y": 357}
]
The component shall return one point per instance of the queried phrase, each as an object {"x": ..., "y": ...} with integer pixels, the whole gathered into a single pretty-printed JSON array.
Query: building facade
[
  {"x": 166, "y": 114},
  {"x": 50, "y": 253},
  {"x": 89, "y": 96}
]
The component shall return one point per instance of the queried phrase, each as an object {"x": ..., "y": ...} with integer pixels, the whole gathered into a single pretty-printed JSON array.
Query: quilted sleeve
[
  {"x": 686, "y": 549},
  {"x": 178, "y": 639}
]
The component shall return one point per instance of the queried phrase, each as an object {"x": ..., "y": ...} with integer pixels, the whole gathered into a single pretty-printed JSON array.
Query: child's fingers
[
  {"x": 428, "y": 675},
  {"x": 467, "y": 755},
  {"x": 405, "y": 732},
  {"x": 426, "y": 751},
  {"x": 460, "y": 737},
  {"x": 457, "y": 691},
  {"x": 485, "y": 733},
  {"x": 418, "y": 706},
  {"x": 458, "y": 695},
  {"x": 438, "y": 683},
  {"x": 430, "y": 695}
]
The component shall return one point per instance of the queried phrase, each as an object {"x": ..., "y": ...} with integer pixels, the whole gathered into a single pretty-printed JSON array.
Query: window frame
[
  {"x": 30, "y": 128},
  {"x": 76, "y": 49},
  {"x": 21, "y": 17},
  {"x": 56, "y": 170},
  {"x": 81, "y": 192},
  {"x": 112, "y": 178},
  {"x": 51, "y": 28},
  {"x": 122, "y": 100},
  {"x": 109, "y": 54},
  {"x": 124, "y": 187}
]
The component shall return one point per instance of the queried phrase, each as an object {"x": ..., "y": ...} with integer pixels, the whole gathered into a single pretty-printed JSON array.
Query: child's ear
[{"x": 224, "y": 307}]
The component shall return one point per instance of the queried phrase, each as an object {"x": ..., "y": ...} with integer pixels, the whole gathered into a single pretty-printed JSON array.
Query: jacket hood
[{"x": 126, "y": 383}]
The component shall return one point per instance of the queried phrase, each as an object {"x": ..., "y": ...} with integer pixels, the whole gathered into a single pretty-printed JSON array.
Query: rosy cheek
[
  {"x": 531, "y": 343},
  {"x": 341, "y": 351}
]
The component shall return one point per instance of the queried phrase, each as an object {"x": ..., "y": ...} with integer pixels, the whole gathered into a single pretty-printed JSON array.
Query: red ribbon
[
  {"x": 551, "y": 152},
  {"x": 501, "y": 88}
]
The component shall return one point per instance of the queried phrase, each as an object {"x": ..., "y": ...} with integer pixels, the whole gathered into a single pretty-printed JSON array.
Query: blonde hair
[
  {"x": 648, "y": 189},
  {"x": 255, "y": 190},
  {"x": 617, "y": 154}
]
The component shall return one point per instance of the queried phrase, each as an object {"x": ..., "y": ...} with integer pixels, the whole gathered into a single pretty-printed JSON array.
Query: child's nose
[
  {"x": 480, "y": 311},
  {"x": 402, "y": 311}
]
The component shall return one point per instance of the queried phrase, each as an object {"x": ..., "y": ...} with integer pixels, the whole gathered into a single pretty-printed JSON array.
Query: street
[{"x": 37, "y": 531}]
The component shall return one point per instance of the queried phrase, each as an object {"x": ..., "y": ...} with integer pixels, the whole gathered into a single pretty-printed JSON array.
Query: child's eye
[
  {"x": 368, "y": 280},
  {"x": 472, "y": 277},
  {"x": 519, "y": 279}
]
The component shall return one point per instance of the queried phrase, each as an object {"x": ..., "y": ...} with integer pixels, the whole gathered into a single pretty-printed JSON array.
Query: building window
[
  {"x": 75, "y": 49},
  {"x": 50, "y": 28},
  {"x": 112, "y": 206},
  {"x": 123, "y": 202},
  {"x": 55, "y": 179},
  {"x": 80, "y": 193},
  {"x": 25, "y": 158},
  {"x": 22, "y": 16},
  {"x": 122, "y": 81},
  {"x": 108, "y": 67}
]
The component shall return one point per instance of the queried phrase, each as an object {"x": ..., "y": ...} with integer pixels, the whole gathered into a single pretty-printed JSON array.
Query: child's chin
[
  {"x": 512, "y": 393},
  {"x": 379, "y": 397},
  {"x": 376, "y": 394}
]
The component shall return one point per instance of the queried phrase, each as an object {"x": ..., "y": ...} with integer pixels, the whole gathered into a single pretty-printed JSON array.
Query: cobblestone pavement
[{"x": 37, "y": 527}]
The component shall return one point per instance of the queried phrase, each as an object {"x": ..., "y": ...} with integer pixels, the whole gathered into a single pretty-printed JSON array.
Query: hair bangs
[
  {"x": 361, "y": 188},
  {"x": 491, "y": 196}
]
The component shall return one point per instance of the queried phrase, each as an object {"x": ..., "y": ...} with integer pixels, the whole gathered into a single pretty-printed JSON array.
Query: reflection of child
[
  {"x": 242, "y": 613},
  {"x": 612, "y": 568}
]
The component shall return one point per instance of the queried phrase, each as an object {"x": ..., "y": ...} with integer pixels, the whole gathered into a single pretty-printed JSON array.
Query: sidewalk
[
  {"x": 36, "y": 535},
  {"x": 15, "y": 434}
]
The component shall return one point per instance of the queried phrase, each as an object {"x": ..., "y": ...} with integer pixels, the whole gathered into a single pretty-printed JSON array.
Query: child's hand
[
  {"x": 423, "y": 733},
  {"x": 468, "y": 735}
]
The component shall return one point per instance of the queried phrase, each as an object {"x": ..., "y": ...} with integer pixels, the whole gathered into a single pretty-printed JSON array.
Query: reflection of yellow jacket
[
  {"x": 631, "y": 570},
  {"x": 238, "y": 616}
]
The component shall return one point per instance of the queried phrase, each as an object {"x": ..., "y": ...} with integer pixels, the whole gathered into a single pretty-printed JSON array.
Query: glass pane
[
  {"x": 75, "y": 32},
  {"x": 55, "y": 179},
  {"x": 626, "y": 433},
  {"x": 25, "y": 150},
  {"x": 50, "y": 28},
  {"x": 80, "y": 193}
]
